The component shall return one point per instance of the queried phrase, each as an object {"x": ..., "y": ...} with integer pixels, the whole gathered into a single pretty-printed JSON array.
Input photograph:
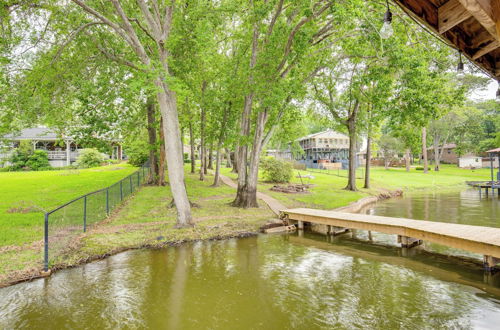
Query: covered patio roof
[{"x": 472, "y": 26}]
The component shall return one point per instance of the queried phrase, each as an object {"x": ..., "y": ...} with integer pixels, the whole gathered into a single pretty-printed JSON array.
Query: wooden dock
[
  {"x": 486, "y": 185},
  {"x": 477, "y": 239}
]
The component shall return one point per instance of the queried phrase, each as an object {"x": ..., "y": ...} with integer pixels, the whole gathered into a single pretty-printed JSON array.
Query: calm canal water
[{"x": 271, "y": 282}]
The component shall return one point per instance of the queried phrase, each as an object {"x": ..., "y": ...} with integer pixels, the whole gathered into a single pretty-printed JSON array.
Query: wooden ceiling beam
[
  {"x": 486, "y": 49},
  {"x": 451, "y": 14},
  {"x": 483, "y": 37},
  {"x": 482, "y": 12}
]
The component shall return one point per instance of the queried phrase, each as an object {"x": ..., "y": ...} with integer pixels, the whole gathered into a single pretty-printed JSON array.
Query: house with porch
[
  {"x": 326, "y": 149},
  {"x": 61, "y": 150}
]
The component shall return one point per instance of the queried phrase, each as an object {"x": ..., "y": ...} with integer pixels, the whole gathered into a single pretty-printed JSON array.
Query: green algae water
[{"x": 299, "y": 281}]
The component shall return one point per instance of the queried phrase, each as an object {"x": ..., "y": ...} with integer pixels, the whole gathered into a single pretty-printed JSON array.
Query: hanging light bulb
[
  {"x": 498, "y": 91},
  {"x": 386, "y": 31},
  {"x": 460, "y": 66}
]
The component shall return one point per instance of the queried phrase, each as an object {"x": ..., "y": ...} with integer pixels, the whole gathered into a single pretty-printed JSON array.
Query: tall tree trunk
[
  {"x": 161, "y": 166},
  {"x": 407, "y": 159},
  {"x": 153, "y": 158},
  {"x": 247, "y": 195},
  {"x": 351, "y": 127},
  {"x": 219, "y": 145},
  {"x": 235, "y": 161},
  {"x": 205, "y": 167},
  {"x": 435, "y": 144},
  {"x": 202, "y": 137},
  {"x": 368, "y": 157},
  {"x": 209, "y": 154},
  {"x": 228, "y": 158},
  {"x": 386, "y": 162},
  {"x": 217, "y": 168},
  {"x": 241, "y": 153},
  {"x": 424, "y": 149},
  {"x": 191, "y": 142},
  {"x": 166, "y": 98},
  {"x": 168, "y": 107}
]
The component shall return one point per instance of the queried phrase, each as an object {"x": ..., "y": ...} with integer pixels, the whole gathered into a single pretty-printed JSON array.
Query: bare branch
[
  {"x": 150, "y": 20},
  {"x": 274, "y": 19},
  {"x": 71, "y": 37},
  {"x": 294, "y": 31},
  {"x": 142, "y": 28},
  {"x": 118, "y": 59}
]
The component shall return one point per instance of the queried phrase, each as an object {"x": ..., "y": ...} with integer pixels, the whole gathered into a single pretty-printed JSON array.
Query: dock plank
[{"x": 478, "y": 239}]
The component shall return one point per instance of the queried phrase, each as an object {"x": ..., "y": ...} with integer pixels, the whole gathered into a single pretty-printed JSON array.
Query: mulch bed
[{"x": 292, "y": 188}]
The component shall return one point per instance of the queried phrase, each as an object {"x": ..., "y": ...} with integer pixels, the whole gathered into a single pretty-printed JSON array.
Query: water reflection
[{"x": 269, "y": 282}]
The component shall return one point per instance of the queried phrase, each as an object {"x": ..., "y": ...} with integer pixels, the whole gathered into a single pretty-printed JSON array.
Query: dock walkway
[{"x": 477, "y": 239}]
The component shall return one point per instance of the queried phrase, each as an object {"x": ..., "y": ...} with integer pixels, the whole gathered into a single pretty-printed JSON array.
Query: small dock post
[
  {"x": 300, "y": 224},
  {"x": 490, "y": 262},
  {"x": 333, "y": 230},
  {"x": 408, "y": 242}
]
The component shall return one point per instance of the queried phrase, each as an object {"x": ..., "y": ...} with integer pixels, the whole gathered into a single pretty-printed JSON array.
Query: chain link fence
[{"x": 64, "y": 224}]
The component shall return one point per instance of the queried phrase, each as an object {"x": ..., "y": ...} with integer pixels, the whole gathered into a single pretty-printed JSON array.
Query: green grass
[
  {"x": 25, "y": 196},
  {"x": 146, "y": 219},
  {"x": 328, "y": 190}
]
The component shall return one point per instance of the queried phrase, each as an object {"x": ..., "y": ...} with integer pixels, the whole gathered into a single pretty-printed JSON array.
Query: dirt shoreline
[{"x": 32, "y": 274}]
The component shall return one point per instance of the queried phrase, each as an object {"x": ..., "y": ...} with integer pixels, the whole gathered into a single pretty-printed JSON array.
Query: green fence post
[
  {"x": 46, "y": 244},
  {"x": 85, "y": 213},
  {"x": 130, "y": 177},
  {"x": 107, "y": 201},
  {"x": 138, "y": 179},
  {"x": 121, "y": 190}
]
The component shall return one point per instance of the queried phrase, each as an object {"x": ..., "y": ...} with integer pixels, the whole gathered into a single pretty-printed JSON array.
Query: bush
[
  {"x": 89, "y": 158},
  {"x": 137, "y": 152},
  {"x": 25, "y": 158},
  {"x": 276, "y": 170},
  {"x": 38, "y": 161},
  {"x": 419, "y": 168}
]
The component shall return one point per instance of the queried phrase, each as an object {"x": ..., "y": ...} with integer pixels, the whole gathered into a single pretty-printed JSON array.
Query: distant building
[
  {"x": 448, "y": 156},
  {"x": 61, "y": 150},
  {"x": 320, "y": 150},
  {"x": 470, "y": 162}
]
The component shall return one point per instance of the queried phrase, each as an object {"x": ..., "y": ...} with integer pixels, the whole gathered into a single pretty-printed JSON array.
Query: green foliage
[
  {"x": 276, "y": 170},
  {"x": 137, "y": 151},
  {"x": 27, "y": 159},
  {"x": 38, "y": 161},
  {"x": 89, "y": 158}
]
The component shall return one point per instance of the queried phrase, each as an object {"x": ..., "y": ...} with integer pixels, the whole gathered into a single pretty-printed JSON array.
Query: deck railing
[{"x": 64, "y": 224}]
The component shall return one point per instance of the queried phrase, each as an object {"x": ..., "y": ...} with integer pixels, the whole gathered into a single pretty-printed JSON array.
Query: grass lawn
[
  {"x": 25, "y": 196},
  {"x": 328, "y": 192},
  {"x": 145, "y": 219}
]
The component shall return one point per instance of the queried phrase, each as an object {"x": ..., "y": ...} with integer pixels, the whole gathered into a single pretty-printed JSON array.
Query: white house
[
  {"x": 61, "y": 150},
  {"x": 470, "y": 162}
]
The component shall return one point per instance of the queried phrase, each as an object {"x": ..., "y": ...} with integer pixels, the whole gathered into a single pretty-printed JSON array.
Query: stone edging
[{"x": 356, "y": 206}]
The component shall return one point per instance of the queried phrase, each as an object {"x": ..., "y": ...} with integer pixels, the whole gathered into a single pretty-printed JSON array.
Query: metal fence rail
[{"x": 65, "y": 223}]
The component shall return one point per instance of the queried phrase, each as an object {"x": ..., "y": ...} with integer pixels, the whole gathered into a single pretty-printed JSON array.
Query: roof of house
[
  {"x": 494, "y": 150},
  {"x": 445, "y": 146},
  {"x": 324, "y": 134},
  {"x": 35, "y": 133}
]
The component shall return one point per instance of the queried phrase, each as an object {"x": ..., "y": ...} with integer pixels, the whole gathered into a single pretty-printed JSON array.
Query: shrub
[
  {"x": 25, "y": 158},
  {"x": 419, "y": 168},
  {"x": 137, "y": 152},
  {"x": 276, "y": 170},
  {"x": 89, "y": 158},
  {"x": 38, "y": 161}
]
